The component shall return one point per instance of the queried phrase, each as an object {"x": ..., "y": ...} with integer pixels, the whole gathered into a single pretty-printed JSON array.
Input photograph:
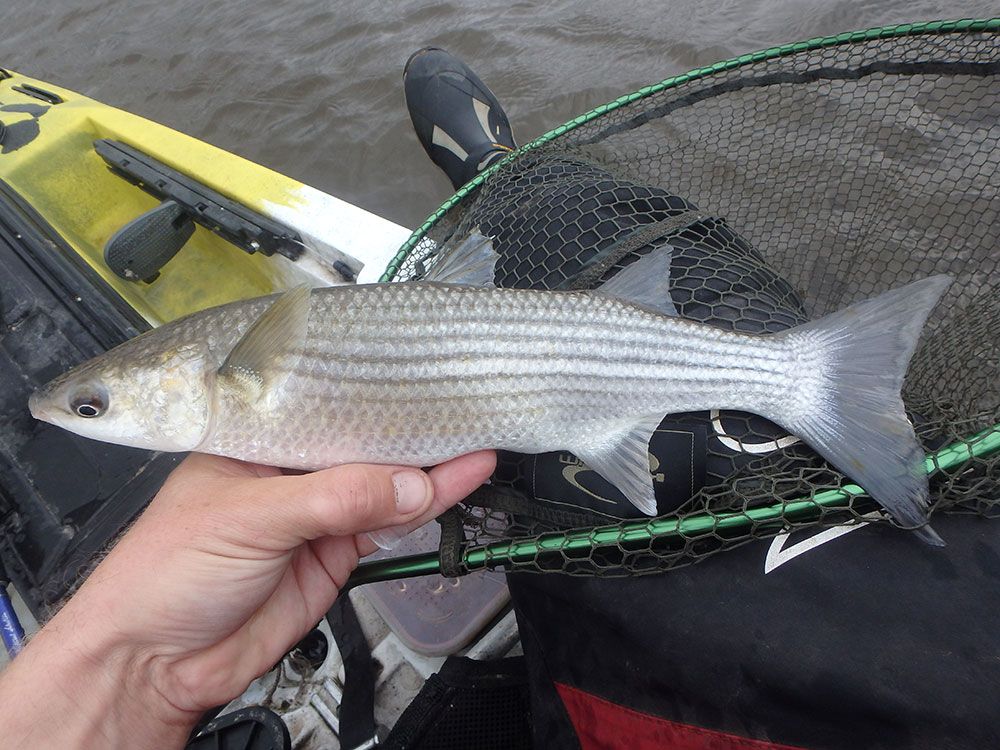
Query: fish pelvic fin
[
  {"x": 266, "y": 352},
  {"x": 472, "y": 262},
  {"x": 622, "y": 457},
  {"x": 860, "y": 425}
]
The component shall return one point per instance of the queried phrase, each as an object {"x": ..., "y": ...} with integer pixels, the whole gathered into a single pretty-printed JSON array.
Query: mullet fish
[{"x": 421, "y": 372}]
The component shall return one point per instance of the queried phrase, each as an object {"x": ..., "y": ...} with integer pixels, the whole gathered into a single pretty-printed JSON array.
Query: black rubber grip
[{"x": 141, "y": 248}]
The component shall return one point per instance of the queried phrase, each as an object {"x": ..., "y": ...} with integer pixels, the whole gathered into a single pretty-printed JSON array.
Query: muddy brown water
[{"x": 314, "y": 90}]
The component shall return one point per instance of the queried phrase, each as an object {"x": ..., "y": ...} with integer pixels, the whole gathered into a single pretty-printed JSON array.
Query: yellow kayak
[{"x": 214, "y": 227}]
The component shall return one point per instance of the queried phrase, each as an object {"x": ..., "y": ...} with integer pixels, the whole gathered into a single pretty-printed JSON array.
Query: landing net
[{"x": 789, "y": 183}]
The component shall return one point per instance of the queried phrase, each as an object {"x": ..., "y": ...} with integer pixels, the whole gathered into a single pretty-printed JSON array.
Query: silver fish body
[{"x": 420, "y": 372}]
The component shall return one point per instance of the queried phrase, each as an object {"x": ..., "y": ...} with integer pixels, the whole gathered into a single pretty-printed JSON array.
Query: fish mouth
[{"x": 35, "y": 406}]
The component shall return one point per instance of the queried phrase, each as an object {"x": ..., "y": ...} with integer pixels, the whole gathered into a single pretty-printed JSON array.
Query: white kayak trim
[{"x": 332, "y": 228}]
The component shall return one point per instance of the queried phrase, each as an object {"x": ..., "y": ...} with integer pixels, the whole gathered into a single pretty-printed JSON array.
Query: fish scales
[{"x": 418, "y": 373}]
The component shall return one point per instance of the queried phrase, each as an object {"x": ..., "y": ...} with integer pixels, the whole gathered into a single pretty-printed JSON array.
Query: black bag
[{"x": 819, "y": 639}]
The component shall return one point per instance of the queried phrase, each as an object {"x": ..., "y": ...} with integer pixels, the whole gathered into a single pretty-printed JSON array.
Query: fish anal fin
[
  {"x": 472, "y": 262},
  {"x": 645, "y": 282},
  {"x": 622, "y": 457},
  {"x": 266, "y": 352}
]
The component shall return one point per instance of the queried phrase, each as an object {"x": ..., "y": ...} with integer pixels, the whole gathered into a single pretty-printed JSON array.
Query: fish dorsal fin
[
  {"x": 473, "y": 262},
  {"x": 645, "y": 282},
  {"x": 622, "y": 457},
  {"x": 266, "y": 352}
]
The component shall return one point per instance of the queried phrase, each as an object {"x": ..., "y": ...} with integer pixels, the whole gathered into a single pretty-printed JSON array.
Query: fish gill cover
[{"x": 787, "y": 184}]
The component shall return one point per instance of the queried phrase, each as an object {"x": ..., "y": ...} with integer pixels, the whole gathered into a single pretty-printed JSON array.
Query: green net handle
[
  {"x": 882, "y": 32},
  {"x": 980, "y": 445}
]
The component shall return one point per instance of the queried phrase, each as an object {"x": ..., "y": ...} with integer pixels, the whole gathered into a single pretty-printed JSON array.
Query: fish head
[{"x": 147, "y": 393}]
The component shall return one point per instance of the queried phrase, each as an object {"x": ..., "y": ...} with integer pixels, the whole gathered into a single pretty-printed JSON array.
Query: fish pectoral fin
[
  {"x": 473, "y": 262},
  {"x": 645, "y": 282},
  {"x": 245, "y": 386},
  {"x": 622, "y": 457},
  {"x": 266, "y": 353}
]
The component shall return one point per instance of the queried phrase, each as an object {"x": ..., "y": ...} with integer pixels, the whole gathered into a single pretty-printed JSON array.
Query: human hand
[{"x": 230, "y": 565}]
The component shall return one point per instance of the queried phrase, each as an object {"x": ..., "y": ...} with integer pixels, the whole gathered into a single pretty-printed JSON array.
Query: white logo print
[
  {"x": 778, "y": 554},
  {"x": 743, "y": 446}
]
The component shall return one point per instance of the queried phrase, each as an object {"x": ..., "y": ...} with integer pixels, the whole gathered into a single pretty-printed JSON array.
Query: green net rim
[{"x": 881, "y": 32}]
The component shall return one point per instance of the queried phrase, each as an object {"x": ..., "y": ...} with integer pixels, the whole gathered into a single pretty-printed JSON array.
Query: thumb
[{"x": 341, "y": 501}]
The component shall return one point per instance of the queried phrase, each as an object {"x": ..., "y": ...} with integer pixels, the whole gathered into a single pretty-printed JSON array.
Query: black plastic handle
[{"x": 141, "y": 248}]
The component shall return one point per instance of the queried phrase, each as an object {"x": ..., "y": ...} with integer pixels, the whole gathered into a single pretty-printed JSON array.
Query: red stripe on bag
[{"x": 601, "y": 725}]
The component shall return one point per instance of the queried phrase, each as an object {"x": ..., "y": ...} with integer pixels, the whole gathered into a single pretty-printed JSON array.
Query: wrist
[{"x": 77, "y": 685}]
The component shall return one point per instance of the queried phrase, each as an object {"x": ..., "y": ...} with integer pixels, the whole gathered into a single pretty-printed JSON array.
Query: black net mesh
[
  {"x": 468, "y": 704},
  {"x": 787, "y": 188}
]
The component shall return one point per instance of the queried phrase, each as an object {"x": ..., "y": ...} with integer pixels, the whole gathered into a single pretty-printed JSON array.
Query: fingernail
[
  {"x": 388, "y": 538},
  {"x": 412, "y": 490}
]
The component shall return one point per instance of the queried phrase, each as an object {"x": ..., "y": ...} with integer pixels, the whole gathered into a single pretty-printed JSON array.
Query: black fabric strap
[
  {"x": 357, "y": 707},
  {"x": 452, "y": 543}
]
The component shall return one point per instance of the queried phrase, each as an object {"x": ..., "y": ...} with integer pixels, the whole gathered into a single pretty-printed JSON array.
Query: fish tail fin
[{"x": 861, "y": 426}]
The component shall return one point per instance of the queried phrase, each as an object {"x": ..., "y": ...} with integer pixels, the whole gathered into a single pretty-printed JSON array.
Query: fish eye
[{"x": 89, "y": 404}]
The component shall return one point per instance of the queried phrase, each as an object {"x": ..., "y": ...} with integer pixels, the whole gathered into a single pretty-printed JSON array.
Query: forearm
[{"x": 74, "y": 687}]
